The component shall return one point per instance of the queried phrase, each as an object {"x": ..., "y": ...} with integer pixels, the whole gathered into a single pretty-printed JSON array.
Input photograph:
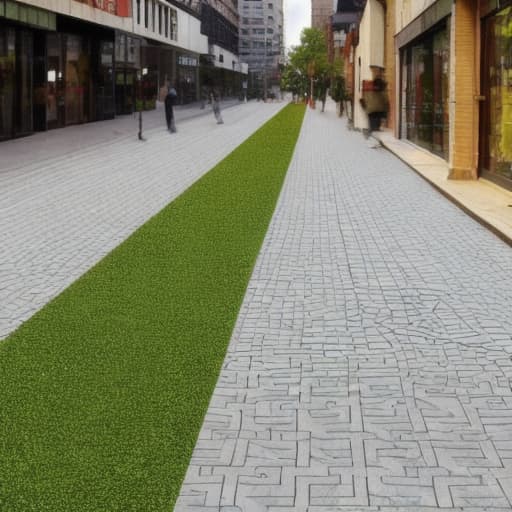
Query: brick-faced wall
[{"x": 463, "y": 161}]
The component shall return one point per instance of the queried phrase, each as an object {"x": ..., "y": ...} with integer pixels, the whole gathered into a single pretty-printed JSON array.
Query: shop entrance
[
  {"x": 425, "y": 91},
  {"x": 496, "y": 113},
  {"x": 16, "y": 56}
]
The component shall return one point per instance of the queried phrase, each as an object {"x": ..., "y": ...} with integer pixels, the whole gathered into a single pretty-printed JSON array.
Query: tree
[{"x": 308, "y": 61}]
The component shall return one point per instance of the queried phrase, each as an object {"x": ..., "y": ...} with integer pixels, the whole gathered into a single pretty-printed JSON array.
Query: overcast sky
[{"x": 297, "y": 15}]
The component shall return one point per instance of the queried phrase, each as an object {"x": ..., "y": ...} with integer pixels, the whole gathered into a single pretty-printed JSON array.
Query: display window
[
  {"x": 496, "y": 128},
  {"x": 425, "y": 90},
  {"x": 7, "y": 66}
]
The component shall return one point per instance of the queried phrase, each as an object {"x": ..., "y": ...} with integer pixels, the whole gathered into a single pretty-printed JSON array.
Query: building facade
[
  {"x": 448, "y": 69},
  {"x": 57, "y": 65},
  {"x": 64, "y": 62},
  {"x": 321, "y": 12},
  {"x": 261, "y": 43},
  {"x": 222, "y": 68}
]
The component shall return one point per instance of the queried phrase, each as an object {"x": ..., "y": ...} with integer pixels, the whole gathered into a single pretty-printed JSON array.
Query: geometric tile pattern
[
  {"x": 370, "y": 367},
  {"x": 61, "y": 214}
]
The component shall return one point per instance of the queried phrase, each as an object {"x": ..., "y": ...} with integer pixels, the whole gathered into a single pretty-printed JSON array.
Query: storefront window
[
  {"x": 24, "y": 67},
  {"x": 77, "y": 78},
  {"x": 425, "y": 91},
  {"x": 55, "y": 79},
  {"x": 104, "y": 98},
  {"x": 6, "y": 81},
  {"x": 497, "y": 89}
]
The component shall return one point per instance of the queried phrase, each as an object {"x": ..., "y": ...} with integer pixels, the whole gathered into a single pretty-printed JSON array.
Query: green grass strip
[{"x": 103, "y": 392}]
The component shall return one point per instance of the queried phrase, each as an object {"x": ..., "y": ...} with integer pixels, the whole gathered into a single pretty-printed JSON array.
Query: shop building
[
  {"x": 57, "y": 66},
  {"x": 495, "y": 147},
  {"x": 171, "y": 46},
  {"x": 261, "y": 43},
  {"x": 448, "y": 69},
  {"x": 455, "y": 97}
]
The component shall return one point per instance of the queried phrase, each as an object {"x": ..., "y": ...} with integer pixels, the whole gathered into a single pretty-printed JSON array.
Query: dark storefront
[
  {"x": 496, "y": 110},
  {"x": 54, "y": 71},
  {"x": 187, "y": 78},
  {"x": 425, "y": 90},
  {"x": 127, "y": 65},
  {"x": 22, "y": 68},
  {"x": 80, "y": 74}
]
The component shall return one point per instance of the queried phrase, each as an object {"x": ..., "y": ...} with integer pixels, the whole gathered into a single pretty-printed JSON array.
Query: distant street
[{"x": 370, "y": 368}]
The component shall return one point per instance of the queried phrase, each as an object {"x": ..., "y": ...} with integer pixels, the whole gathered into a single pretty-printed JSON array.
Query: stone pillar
[
  {"x": 464, "y": 90},
  {"x": 390, "y": 65}
]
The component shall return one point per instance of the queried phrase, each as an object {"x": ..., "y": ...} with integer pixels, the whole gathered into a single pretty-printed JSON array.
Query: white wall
[
  {"x": 371, "y": 52},
  {"x": 189, "y": 35},
  {"x": 228, "y": 60},
  {"x": 84, "y": 12}
]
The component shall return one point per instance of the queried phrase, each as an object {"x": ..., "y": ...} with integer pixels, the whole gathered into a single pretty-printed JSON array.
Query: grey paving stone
[
  {"x": 60, "y": 215},
  {"x": 370, "y": 368}
]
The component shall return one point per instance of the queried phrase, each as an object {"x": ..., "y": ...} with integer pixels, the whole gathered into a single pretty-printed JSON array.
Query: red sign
[{"x": 116, "y": 7}]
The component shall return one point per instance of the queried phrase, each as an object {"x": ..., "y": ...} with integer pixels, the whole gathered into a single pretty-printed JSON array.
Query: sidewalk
[
  {"x": 68, "y": 197},
  {"x": 68, "y": 140},
  {"x": 369, "y": 369},
  {"x": 490, "y": 204}
]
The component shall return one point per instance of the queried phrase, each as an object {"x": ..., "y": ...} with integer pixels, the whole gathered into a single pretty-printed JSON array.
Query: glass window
[
  {"x": 146, "y": 13},
  {"x": 425, "y": 91},
  {"x": 7, "y": 63},
  {"x": 55, "y": 77},
  {"x": 174, "y": 25},
  {"x": 159, "y": 19},
  {"x": 120, "y": 48},
  {"x": 153, "y": 13},
  {"x": 24, "y": 68},
  {"x": 497, "y": 88},
  {"x": 76, "y": 80}
]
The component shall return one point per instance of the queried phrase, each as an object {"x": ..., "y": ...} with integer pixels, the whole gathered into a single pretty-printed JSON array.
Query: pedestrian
[
  {"x": 214, "y": 96},
  {"x": 170, "y": 101},
  {"x": 375, "y": 103}
]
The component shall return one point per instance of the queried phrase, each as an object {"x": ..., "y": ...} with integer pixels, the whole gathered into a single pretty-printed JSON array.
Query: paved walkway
[
  {"x": 68, "y": 197},
  {"x": 370, "y": 368}
]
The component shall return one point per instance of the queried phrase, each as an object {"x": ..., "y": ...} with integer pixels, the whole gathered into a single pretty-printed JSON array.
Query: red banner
[{"x": 116, "y": 7}]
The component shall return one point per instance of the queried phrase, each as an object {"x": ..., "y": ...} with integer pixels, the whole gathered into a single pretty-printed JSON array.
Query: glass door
[
  {"x": 496, "y": 125},
  {"x": 77, "y": 80},
  {"x": 24, "y": 66},
  {"x": 7, "y": 70},
  {"x": 55, "y": 80}
]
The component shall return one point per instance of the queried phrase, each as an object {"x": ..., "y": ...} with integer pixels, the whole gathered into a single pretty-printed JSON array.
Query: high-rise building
[
  {"x": 221, "y": 68},
  {"x": 321, "y": 11},
  {"x": 261, "y": 43}
]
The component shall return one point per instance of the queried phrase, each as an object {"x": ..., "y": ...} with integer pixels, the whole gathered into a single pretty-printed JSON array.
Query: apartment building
[{"x": 261, "y": 43}]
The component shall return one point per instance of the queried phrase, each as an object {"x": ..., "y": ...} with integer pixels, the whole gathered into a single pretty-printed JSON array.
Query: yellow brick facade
[
  {"x": 464, "y": 92},
  {"x": 464, "y": 77}
]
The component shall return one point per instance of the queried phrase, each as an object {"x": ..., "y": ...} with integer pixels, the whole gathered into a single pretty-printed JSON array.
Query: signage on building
[
  {"x": 116, "y": 7},
  {"x": 185, "y": 60}
]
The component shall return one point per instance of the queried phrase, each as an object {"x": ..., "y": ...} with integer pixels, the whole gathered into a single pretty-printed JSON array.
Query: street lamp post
[{"x": 142, "y": 102}]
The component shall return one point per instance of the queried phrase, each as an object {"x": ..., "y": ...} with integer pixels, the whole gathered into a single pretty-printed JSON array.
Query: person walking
[
  {"x": 216, "y": 106},
  {"x": 170, "y": 101},
  {"x": 375, "y": 103}
]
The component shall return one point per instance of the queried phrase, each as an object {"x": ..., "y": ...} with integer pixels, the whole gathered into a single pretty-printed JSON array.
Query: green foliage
[
  {"x": 338, "y": 91},
  {"x": 103, "y": 391},
  {"x": 309, "y": 61}
]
